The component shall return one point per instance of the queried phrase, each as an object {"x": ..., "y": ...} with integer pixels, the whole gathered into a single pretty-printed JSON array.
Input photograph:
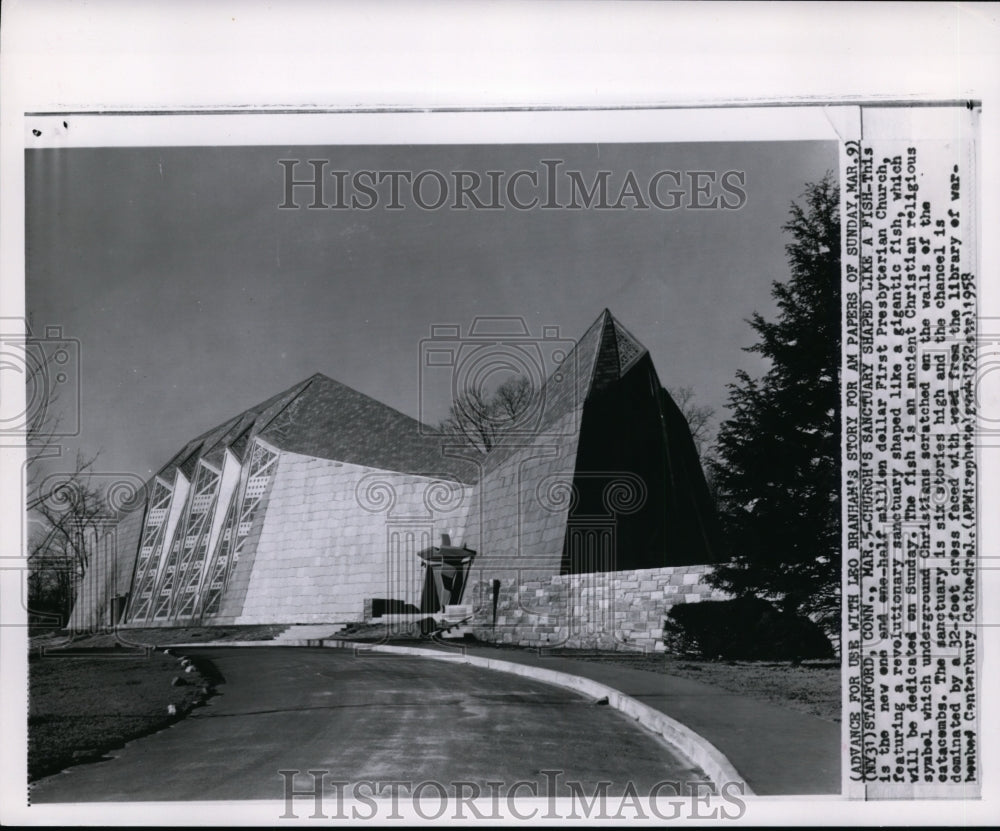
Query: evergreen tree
[{"x": 778, "y": 468}]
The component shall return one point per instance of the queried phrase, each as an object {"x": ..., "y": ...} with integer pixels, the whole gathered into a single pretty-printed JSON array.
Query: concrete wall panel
[{"x": 336, "y": 534}]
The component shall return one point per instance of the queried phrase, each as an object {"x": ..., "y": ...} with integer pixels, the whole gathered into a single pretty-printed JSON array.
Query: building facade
[{"x": 585, "y": 521}]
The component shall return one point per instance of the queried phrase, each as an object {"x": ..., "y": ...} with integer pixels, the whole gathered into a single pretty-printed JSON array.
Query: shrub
[
  {"x": 746, "y": 628},
  {"x": 391, "y": 606}
]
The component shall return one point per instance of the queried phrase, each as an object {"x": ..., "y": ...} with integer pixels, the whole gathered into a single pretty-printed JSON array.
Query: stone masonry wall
[{"x": 621, "y": 610}]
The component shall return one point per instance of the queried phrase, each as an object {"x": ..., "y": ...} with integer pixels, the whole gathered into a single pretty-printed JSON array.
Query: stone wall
[{"x": 613, "y": 610}]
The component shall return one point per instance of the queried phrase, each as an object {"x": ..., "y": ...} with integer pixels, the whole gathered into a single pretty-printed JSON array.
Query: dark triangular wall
[
  {"x": 611, "y": 430},
  {"x": 637, "y": 474},
  {"x": 689, "y": 500},
  {"x": 612, "y": 465}
]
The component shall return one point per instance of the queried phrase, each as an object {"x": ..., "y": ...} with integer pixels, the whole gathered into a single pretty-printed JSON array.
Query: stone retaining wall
[{"x": 612, "y": 610}]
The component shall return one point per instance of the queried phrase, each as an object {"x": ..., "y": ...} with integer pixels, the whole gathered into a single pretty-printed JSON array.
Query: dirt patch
[
  {"x": 810, "y": 687},
  {"x": 84, "y": 703},
  {"x": 398, "y": 632},
  {"x": 130, "y": 638}
]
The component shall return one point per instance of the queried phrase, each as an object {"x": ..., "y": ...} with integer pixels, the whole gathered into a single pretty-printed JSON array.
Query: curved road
[{"x": 376, "y": 718}]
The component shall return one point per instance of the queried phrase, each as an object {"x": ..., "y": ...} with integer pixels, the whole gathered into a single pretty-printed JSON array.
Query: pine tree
[{"x": 778, "y": 466}]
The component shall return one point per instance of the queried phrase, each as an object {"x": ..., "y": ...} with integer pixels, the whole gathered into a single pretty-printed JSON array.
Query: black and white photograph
[{"x": 480, "y": 462}]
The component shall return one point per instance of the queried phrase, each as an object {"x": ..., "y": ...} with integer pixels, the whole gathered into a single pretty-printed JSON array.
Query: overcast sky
[{"x": 193, "y": 296}]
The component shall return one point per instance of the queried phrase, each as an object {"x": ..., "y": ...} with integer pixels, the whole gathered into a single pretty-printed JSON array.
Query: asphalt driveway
[{"x": 374, "y": 718}]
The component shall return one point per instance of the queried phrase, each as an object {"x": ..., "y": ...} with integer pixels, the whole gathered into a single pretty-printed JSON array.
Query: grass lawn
[
  {"x": 81, "y": 706},
  {"x": 811, "y": 687},
  {"x": 166, "y": 635}
]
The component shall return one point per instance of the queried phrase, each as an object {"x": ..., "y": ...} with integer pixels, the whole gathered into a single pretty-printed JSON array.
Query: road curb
[
  {"x": 679, "y": 736},
  {"x": 692, "y": 745}
]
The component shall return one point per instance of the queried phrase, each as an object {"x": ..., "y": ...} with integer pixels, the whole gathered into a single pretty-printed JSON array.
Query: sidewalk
[{"x": 779, "y": 751}]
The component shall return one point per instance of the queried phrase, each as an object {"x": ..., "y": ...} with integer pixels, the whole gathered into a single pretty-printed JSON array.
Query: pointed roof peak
[
  {"x": 617, "y": 351},
  {"x": 597, "y": 361},
  {"x": 608, "y": 316}
]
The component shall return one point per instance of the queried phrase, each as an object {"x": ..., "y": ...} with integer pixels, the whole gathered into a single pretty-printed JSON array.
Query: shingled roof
[
  {"x": 210, "y": 443},
  {"x": 333, "y": 421},
  {"x": 322, "y": 417}
]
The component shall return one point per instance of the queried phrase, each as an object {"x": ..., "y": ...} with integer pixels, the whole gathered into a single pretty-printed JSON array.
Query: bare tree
[
  {"x": 68, "y": 515},
  {"x": 699, "y": 418},
  {"x": 514, "y": 397},
  {"x": 481, "y": 419},
  {"x": 67, "y": 511}
]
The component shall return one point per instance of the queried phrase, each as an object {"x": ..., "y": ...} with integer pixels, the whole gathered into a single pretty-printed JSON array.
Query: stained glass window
[
  {"x": 197, "y": 511},
  {"x": 192, "y": 557},
  {"x": 149, "y": 551},
  {"x": 239, "y": 520},
  {"x": 219, "y": 571}
]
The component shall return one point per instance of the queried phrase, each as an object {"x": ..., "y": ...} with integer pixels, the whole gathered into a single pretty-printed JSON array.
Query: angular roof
[
  {"x": 324, "y": 418},
  {"x": 605, "y": 352},
  {"x": 602, "y": 355},
  {"x": 333, "y": 421},
  {"x": 211, "y": 443}
]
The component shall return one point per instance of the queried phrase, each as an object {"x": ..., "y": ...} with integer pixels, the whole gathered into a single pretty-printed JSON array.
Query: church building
[{"x": 323, "y": 505}]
